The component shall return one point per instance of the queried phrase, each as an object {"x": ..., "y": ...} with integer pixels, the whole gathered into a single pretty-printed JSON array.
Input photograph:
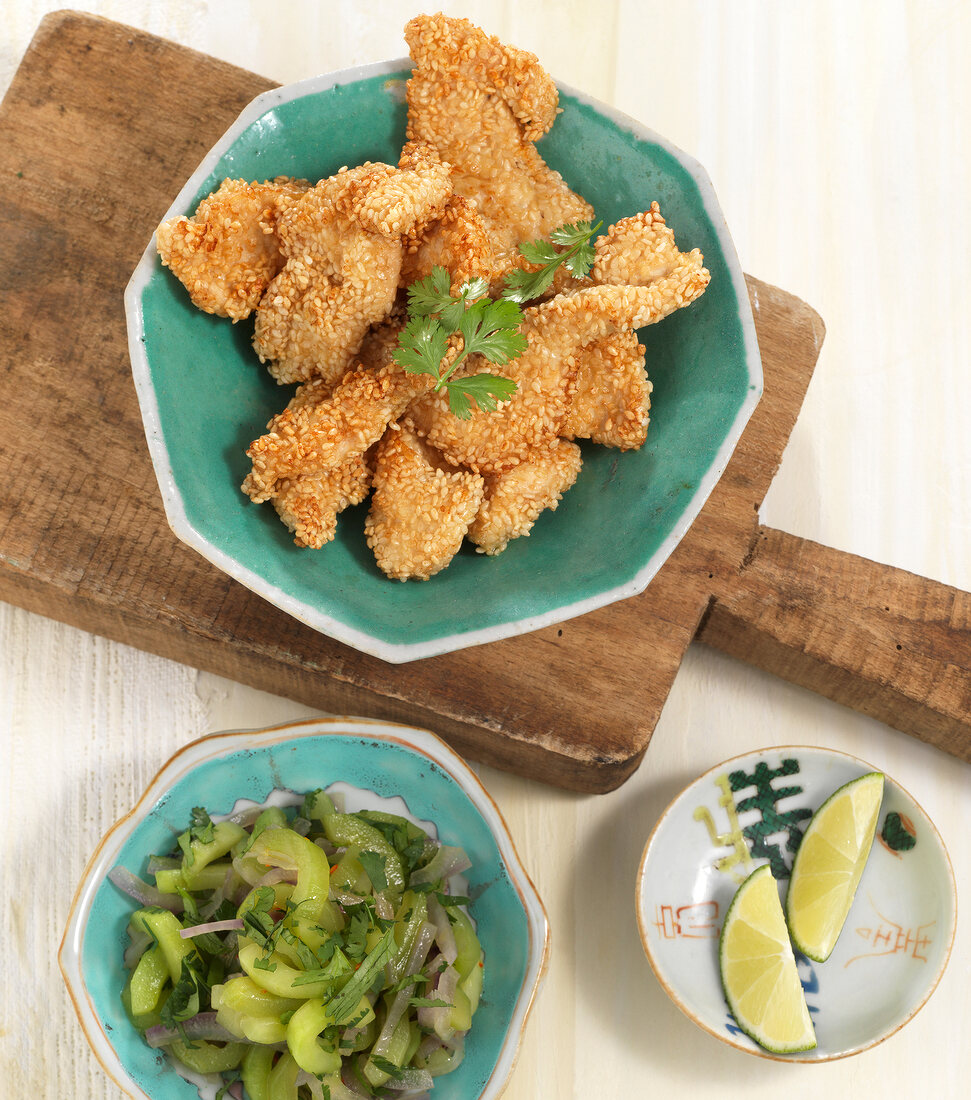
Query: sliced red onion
[
  {"x": 383, "y": 907},
  {"x": 246, "y": 817},
  {"x": 140, "y": 940},
  {"x": 455, "y": 1046},
  {"x": 142, "y": 892},
  {"x": 346, "y": 898},
  {"x": 218, "y": 896},
  {"x": 325, "y": 844},
  {"x": 419, "y": 949},
  {"x": 275, "y": 875},
  {"x": 353, "y": 1086},
  {"x": 444, "y": 937},
  {"x": 202, "y": 1026},
  {"x": 312, "y": 1083},
  {"x": 437, "y": 1018},
  {"x": 235, "y": 924},
  {"x": 410, "y": 1080},
  {"x": 447, "y": 861}
]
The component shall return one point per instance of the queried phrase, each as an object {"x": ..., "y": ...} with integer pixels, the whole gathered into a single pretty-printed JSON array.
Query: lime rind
[
  {"x": 758, "y": 970},
  {"x": 829, "y": 865}
]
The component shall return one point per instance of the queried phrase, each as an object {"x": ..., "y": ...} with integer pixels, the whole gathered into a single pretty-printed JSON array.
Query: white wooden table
[{"x": 838, "y": 137}]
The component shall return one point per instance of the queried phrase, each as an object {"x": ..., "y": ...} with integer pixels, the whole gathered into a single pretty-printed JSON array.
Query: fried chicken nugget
[
  {"x": 493, "y": 442},
  {"x": 457, "y": 241},
  {"x": 420, "y": 508},
  {"x": 640, "y": 251},
  {"x": 512, "y": 501},
  {"x": 309, "y": 506},
  {"x": 612, "y": 402},
  {"x": 557, "y": 331},
  {"x": 342, "y": 244},
  {"x": 325, "y": 427},
  {"x": 482, "y": 105},
  {"x": 227, "y": 253}
]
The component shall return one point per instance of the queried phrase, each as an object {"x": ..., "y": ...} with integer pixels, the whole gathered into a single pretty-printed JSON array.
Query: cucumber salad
[{"x": 304, "y": 953}]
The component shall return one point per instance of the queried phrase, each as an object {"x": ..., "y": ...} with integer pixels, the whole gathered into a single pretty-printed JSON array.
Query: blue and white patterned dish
[
  {"x": 388, "y": 760},
  {"x": 752, "y": 810}
]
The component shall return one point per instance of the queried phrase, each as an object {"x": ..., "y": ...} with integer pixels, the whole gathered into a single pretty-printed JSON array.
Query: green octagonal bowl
[{"x": 204, "y": 395}]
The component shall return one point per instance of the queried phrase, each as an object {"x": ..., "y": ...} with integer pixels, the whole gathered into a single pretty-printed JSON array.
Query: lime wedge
[
  {"x": 758, "y": 969},
  {"x": 829, "y": 863}
]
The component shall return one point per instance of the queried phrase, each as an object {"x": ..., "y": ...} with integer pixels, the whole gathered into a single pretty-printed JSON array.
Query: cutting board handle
[{"x": 880, "y": 640}]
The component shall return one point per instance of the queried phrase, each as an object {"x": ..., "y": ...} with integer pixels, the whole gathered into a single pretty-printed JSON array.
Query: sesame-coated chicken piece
[
  {"x": 309, "y": 506},
  {"x": 456, "y": 241},
  {"x": 342, "y": 243},
  {"x": 420, "y": 508},
  {"x": 227, "y": 253},
  {"x": 612, "y": 401},
  {"x": 640, "y": 251},
  {"x": 481, "y": 105},
  {"x": 491, "y": 442},
  {"x": 325, "y": 427},
  {"x": 511, "y": 502}
]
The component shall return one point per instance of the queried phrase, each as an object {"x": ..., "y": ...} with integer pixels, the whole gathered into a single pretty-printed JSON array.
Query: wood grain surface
[
  {"x": 84, "y": 537},
  {"x": 838, "y": 139}
]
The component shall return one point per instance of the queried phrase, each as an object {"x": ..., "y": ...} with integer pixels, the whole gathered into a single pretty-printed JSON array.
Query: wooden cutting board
[{"x": 101, "y": 127}]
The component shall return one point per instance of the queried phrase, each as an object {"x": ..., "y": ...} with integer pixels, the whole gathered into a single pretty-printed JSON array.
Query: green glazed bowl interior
[
  {"x": 388, "y": 760},
  {"x": 205, "y": 396}
]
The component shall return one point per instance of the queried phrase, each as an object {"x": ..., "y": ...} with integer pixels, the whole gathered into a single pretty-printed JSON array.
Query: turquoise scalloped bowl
[
  {"x": 387, "y": 760},
  {"x": 204, "y": 395}
]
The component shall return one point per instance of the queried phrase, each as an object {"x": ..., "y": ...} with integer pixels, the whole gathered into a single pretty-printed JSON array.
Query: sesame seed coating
[
  {"x": 342, "y": 245},
  {"x": 612, "y": 401},
  {"x": 325, "y": 426},
  {"x": 482, "y": 105},
  {"x": 512, "y": 501},
  {"x": 420, "y": 509},
  {"x": 309, "y": 506},
  {"x": 325, "y": 266},
  {"x": 228, "y": 251}
]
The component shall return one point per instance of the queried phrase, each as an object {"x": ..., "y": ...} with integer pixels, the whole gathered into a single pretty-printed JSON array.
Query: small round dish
[
  {"x": 704, "y": 364},
  {"x": 392, "y": 762},
  {"x": 753, "y": 810}
]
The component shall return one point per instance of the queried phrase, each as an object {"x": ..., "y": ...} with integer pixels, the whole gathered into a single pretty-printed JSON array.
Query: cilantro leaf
[
  {"x": 184, "y": 1000},
  {"x": 488, "y": 328},
  {"x": 485, "y": 390},
  {"x": 429, "y": 1002},
  {"x": 422, "y": 345},
  {"x": 577, "y": 256},
  {"x": 342, "y": 1007},
  {"x": 202, "y": 828},
  {"x": 453, "y": 310},
  {"x": 522, "y": 285},
  {"x": 374, "y": 867},
  {"x": 539, "y": 252},
  {"x": 491, "y": 329},
  {"x": 575, "y": 233},
  {"x": 385, "y": 1065},
  {"x": 427, "y": 296}
]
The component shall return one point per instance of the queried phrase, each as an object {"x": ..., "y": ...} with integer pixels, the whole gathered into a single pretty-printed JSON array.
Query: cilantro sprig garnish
[
  {"x": 577, "y": 257},
  {"x": 488, "y": 327}
]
